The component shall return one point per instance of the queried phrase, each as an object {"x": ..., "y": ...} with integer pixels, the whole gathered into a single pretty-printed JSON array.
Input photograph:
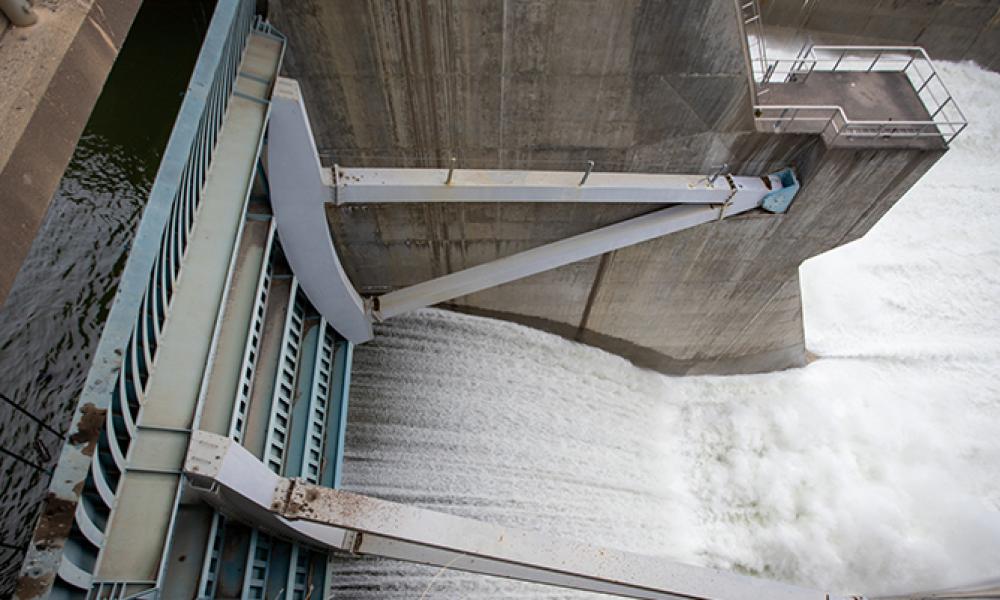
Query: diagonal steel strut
[{"x": 556, "y": 254}]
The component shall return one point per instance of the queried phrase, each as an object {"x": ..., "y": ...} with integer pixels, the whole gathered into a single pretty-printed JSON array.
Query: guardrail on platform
[
  {"x": 945, "y": 121},
  {"x": 753, "y": 32},
  {"x": 92, "y": 461}
]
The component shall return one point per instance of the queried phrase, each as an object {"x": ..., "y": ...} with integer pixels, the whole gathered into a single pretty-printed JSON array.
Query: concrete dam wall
[{"x": 551, "y": 85}]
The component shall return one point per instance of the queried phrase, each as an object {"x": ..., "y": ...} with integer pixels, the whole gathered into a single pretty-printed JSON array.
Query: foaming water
[{"x": 872, "y": 470}]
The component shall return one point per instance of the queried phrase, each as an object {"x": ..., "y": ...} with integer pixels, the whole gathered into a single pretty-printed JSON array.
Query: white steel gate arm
[
  {"x": 232, "y": 479},
  {"x": 301, "y": 189}
]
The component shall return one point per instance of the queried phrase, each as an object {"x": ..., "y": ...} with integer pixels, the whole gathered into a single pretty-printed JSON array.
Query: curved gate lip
[{"x": 298, "y": 195}]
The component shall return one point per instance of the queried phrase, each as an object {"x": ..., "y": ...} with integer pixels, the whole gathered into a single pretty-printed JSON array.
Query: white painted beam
[
  {"x": 234, "y": 480},
  {"x": 988, "y": 589},
  {"x": 374, "y": 186},
  {"x": 231, "y": 478}
]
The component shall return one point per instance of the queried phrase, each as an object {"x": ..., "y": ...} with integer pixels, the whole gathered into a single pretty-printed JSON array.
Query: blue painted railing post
[{"x": 337, "y": 425}]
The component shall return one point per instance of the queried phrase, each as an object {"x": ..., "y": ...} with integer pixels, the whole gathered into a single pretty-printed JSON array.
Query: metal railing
[
  {"x": 121, "y": 590},
  {"x": 753, "y": 30},
  {"x": 945, "y": 119},
  {"x": 127, "y": 350}
]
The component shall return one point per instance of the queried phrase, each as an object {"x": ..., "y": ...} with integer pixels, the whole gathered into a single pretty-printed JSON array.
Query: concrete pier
[{"x": 52, "y": 74}]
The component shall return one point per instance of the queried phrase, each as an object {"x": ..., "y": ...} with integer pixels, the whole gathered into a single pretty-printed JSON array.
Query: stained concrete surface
[
  {"x": 549, "y": 84},
  {"x": 878, "y": 96},
  {"x": 725, "y": 297}
]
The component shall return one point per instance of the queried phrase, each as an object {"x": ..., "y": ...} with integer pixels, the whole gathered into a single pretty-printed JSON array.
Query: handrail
[
  {"x": 842, "y": 113},
  {"x": 128, "y": 345},
  {"x": 946, "y": 120},
  {"x": 751, "y": 22},
  {"x": 868, "y": 48}
]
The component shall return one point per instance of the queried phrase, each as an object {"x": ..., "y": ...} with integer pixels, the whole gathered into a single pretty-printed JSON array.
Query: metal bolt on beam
[
  {"x": 719, "y": 171},
  {"x": 451, "y": 172},
  {"x": 590, "y": 167}
]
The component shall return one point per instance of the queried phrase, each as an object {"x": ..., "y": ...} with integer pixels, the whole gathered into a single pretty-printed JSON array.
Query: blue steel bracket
[{"x": 778, "y": 201}]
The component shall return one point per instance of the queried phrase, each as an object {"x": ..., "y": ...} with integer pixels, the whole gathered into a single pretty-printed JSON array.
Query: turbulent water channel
[{"x": 875, "y": 469}]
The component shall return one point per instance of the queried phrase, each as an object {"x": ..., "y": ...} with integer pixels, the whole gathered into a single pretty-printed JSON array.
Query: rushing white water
[{"x": 874, "y": 469}]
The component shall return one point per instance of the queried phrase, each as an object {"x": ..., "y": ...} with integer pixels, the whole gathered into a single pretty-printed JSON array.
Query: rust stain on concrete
[{"x": 88, "y": 430}]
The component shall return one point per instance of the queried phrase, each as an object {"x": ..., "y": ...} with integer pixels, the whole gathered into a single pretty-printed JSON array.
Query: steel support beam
[
  {"x": 239, "y": 484},
  {"x": 375, "y": 186},
  {"x": 232, "y": 479}
]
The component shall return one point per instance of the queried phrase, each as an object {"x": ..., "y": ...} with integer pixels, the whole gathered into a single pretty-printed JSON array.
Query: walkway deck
[
  {"x": 141, "y": 518},
  {"x": 864, "y": 96}
]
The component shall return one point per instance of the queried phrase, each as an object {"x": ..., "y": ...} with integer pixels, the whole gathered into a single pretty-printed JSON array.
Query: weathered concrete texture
[
  {"x": 947, "y": 29},
  {"x": 543, "y": 84},
  {"x": 863, "y": 96},
  {"x": 52, "y": 74},
  {"x": 520, "y": 83}
]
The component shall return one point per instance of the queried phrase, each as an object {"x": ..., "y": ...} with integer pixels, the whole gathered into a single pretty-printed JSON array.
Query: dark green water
[{"x": 51, "y": 323}]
